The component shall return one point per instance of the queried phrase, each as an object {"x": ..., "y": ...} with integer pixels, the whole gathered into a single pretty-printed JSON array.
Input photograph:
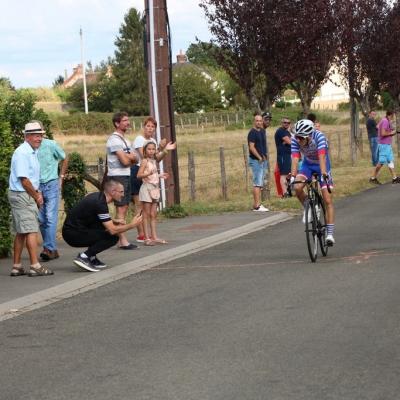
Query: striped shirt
[{"x": 318, "y": 145}]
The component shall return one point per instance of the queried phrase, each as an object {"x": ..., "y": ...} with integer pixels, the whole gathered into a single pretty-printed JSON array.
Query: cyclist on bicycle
[{"x": 312, "y": 145}]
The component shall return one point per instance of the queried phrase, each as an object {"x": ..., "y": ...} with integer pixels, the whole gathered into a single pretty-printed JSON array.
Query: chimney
[
  {"x": 181, "y": 58},
  {"x": 65, "y": 74}
]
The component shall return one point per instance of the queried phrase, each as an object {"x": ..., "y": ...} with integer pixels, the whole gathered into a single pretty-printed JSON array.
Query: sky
[{"x": 39, "y": 39}]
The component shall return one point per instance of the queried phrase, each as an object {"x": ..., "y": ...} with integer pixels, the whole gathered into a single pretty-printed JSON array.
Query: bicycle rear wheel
[
  {"x": 311, "y": 231},
  {"x": 321, "y": 226}
]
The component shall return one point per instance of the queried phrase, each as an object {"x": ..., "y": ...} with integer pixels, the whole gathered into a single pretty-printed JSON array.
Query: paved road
[{"x": 249, "y": 319}]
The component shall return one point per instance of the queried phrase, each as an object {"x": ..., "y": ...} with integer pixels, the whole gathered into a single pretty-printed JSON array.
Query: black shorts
[
  {"x": 125, "y": 180},
  {"x": 135, "y": 181},
  {"x": 284, "y": 163}
]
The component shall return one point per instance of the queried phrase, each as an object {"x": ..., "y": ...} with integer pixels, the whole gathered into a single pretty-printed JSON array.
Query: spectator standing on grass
[
  {"x": 257, "y": 142},
  {"x": 120, "y": 158},
  {"x": 149, "y": 128},
  {"x": 25, "y": 200},
  {"x": 385, "y": 152},
  {"x": 89, "y": 224},
  {"x": 283, "y": 151},
  {"x": 372, "y": 131},
  {"x": 149, "y": 193},
  {"x": 50, "y": 155}
]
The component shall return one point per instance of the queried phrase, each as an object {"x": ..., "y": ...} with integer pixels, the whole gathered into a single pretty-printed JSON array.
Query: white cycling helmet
[{"x": 304, "y": 128}]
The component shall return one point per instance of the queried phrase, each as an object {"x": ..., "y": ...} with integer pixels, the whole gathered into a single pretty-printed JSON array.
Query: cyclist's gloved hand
[
  {"x": 325, "y": 177},
  {"x": 292, "y": 179}
]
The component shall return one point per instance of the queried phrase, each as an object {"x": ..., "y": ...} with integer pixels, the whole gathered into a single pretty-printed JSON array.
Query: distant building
[{"x": 77, "y": 76}]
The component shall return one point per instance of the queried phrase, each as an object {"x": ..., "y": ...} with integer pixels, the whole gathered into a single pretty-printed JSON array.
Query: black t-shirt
[
  {"x": 89, "y": 213},
  {"x": 371, "y": 128},
  {"x": 260, "y": 142},
  {"x": 282, "y": 147}
]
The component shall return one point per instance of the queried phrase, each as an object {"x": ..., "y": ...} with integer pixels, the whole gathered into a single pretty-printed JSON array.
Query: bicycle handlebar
[{"x": 307, "y": 182}]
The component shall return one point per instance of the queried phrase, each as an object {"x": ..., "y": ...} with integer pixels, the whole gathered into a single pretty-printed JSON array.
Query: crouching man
[{"x": 89, "y": 223}]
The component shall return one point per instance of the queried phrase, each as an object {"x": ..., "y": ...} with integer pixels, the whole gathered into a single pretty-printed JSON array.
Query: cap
[{"x": 266, "y": 115}]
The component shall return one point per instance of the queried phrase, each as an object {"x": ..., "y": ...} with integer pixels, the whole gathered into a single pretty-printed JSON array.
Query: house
[{"x": 77, "y": 76}]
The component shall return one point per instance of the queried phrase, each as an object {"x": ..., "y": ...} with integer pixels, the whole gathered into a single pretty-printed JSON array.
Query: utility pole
[
  {"x": 84, "y": 73},
  {"x": 160, "y": 83}
]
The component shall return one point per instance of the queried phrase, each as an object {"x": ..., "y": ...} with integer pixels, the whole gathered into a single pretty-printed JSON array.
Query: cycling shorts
[{"x": 308, "y": 169}]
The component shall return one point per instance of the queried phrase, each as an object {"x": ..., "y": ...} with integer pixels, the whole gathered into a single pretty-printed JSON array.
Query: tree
[
  {"x": 202, "y": 53},
  {"x": 194, "y": 90},
  {"x": 58, "y": 81},
  {"x": 19, "y": 108},
  {"x": 359, "y": 22},
  {"x": 386, "y": 71},
  {"x": 6, "y": 151},
  {"x": 131, "y": 86},
  {"x": 313, "y": 45}
]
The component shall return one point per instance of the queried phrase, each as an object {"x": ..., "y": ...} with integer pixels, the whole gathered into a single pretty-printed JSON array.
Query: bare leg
[
  {"x": 138, "y": 207},
  {"x": 31, "y": 245},
  {"x": 153, "y": 220},
  {"x": 377, "y": 169},
  {"x": 330, "y": 213},
  {"x": 146, "y": 217},
  {"x": 256, "y": 196},
  {"x": 121, "y": 214},
  {"x": 283, "y": 183},
  {"x": 19, "y": 242}
]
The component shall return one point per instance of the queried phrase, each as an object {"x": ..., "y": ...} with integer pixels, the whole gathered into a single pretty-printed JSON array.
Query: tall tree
[
  {"x": 202, "y": 53},
  {"x": 313, "y": 41},
  {"x": 131, "y": 87},
  {"x": 236, "y": 27},
  {"x": 359, "y": 22},
  {"x": 387, "y": 57}
]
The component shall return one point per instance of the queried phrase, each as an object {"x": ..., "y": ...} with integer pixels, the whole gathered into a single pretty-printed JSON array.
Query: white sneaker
[
  {"x": 330, "y": 240},
  {"x": 309, "y": 215},
  {"x": 261, "y": 208}
]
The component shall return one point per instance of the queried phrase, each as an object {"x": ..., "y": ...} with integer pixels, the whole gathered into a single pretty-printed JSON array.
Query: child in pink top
[{"x": 149, "y": 193}]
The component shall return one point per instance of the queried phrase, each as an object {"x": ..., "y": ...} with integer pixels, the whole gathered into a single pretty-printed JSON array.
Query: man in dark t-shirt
[
  {"x": 283, "y": 141},
  {"x": 257, "y": 142},
  {"x": 89, "y": 223},
  {"x": 373, "y": 136}
]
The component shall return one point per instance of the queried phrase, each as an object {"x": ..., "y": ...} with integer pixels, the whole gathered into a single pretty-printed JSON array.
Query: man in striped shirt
[
  {"x": 89, "y": 223},
  {"x": 312, "y": 145}
]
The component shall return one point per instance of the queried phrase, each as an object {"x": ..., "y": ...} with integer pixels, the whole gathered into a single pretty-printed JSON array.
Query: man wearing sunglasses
[{"x": 313, "y": 146}]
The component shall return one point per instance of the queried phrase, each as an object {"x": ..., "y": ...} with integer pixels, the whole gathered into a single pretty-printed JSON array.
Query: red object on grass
[{"x": 277, "y": 174}]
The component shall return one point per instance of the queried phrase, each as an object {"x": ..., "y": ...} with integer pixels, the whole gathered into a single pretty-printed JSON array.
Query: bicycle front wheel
[{"x": 311, "y": 231}]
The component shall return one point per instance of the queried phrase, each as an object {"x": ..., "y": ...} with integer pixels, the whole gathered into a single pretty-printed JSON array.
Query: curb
[{"x": 56, "y": 293}]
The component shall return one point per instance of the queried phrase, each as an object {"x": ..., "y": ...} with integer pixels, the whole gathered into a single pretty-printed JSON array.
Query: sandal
[
  {"x": 41, "y": 271},
  {"x": 17, "y": 271},
  {"x": 149, "y": 242},
  {"x": 160, "y": 241}
]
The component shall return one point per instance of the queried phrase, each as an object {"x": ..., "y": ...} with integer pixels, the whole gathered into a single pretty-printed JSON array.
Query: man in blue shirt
[
  {"x": 25, "y": 200},
  {"x": 257, "y": 141},
  {"x": 283, "y": 140},
  {"x": 50, "y": 154}
]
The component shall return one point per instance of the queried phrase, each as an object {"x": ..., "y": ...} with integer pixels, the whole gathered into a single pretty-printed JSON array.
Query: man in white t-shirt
[{"x": 120, "y": 158}]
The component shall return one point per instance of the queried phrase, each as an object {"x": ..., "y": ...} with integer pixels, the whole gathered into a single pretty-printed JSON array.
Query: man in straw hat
[{"x": 25, "y": 200}]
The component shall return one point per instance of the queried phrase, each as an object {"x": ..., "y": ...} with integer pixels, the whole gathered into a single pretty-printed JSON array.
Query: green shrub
[
  {"x": 345, "y": 106},
  {"x": 6, "y": 151},
  {"x": 175, "y": 211},
  {"x": 73, "y": 189}
]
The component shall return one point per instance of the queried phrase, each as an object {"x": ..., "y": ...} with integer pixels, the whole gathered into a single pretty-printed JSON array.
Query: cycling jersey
[{"x": 317, "y": 145}]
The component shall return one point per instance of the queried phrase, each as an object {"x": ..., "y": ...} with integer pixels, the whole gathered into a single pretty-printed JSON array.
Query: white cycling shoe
[{"x": 330, "y": 240}]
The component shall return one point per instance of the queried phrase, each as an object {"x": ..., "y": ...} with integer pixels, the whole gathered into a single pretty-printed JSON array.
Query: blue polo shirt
[
  {"x": 49, "y": 154},
  {"x": 258, "y": 137},
  {"x": 24, "y": 164}
]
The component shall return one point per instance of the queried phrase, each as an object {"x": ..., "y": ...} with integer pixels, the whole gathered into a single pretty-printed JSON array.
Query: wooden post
[
  {"x": 266, "y": 190},
  {"x": 360, "y": 138},
  {"x": 191, "y": 176},
  {"x": 100, "y": 169},
  {"x": 246, "y": 167},
  {"x": 213, "y": 120},
  {"x": 134, "y": 125},
  {"x": 237, "y": 118},
  {"x": 197, "y": 123},
  {"x": 339, "y": 147},
  {"x": 223, "y": 174}
]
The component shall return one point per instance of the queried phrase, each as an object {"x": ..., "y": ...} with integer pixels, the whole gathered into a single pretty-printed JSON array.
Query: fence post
[
  {"x": 100, "y": 169},
  {"x": 223, "y": 174},
  {"x": 228, "y": 120},
  {"x": 197, "y": 123},
  {"x": 213, "y": 120},
  {"x": 237, "y": 118},
  {"x": 246, "y": 167},
  {"x": 134, "y": 125},
  {"x": 339, "y": 147},
  {"x": 192, "y": 176}
]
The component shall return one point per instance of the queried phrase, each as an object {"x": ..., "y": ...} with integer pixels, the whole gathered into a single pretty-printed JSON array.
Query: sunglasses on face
[{"x": 300, "y": 138}]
